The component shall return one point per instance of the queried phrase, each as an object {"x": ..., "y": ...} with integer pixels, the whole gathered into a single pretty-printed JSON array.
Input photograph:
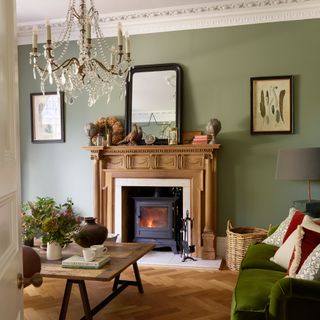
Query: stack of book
[
  {"x": 201, "y": 139},
  {"x": 77, "y": 262}
]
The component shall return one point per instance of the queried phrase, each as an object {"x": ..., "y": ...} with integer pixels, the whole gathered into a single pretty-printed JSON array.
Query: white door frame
[{"x": 11, "y": 298}]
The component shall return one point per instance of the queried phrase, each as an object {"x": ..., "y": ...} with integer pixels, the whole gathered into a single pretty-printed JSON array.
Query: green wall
[{"x": 217, "y": 64}]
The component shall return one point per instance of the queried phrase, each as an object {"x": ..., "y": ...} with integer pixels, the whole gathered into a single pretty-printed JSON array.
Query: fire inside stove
[{"x": 154, "y": 217}]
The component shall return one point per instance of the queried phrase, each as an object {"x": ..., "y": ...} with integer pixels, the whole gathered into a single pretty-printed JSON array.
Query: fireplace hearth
[{"x": 157, "y": 221}]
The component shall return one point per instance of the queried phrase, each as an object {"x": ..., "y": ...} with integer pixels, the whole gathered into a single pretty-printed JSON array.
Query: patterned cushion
[
  {"x": 310, "y": 270},
  {"x": 276, "y": 239}
]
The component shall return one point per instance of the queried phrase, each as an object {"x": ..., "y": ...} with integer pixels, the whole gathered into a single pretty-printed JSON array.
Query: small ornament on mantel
[
  {"x": 90, "y": 130},
  {"x": 213, "y": 128},
  {"x": 133, "y": 137}
]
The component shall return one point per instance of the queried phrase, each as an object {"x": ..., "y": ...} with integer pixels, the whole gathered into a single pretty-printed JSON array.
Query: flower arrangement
[
  {"x": 49, "y": 220},
  {"x": 110, "y": 125}
]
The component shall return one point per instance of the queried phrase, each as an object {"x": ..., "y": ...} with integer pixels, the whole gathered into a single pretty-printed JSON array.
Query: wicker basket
[{"x": 239, "y": 239}]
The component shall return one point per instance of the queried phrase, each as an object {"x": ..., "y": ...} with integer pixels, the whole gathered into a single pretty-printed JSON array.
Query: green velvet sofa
[{"x": 264, "y": 292}]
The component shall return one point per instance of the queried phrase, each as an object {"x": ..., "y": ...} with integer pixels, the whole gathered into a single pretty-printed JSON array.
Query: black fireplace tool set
[{"x": 185, "y": 248}]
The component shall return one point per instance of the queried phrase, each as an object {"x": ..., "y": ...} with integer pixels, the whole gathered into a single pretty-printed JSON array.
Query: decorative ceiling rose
[{"x": 98, "y": 66}]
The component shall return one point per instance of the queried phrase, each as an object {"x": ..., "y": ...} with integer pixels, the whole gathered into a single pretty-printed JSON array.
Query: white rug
[{"x": 169, "y": 259}]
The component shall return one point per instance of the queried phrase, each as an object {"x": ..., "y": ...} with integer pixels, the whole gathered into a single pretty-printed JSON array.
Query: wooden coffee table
[{"x": 123, "y": 255}]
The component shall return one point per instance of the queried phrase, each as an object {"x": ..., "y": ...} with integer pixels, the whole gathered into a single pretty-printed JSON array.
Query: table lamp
[{"x": 301, "y": 164}]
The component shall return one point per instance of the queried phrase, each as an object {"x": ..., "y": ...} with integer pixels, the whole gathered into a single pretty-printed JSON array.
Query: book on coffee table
[{"x": 78, "y": 262}]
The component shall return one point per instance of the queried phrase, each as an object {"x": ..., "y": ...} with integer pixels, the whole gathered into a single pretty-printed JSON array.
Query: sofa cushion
[
  {"x": 284, "y": 253},
  {"x": 296, "y": 220},
  {"x": 276, "y": 238},
  {"x": 251, "y": 294},
  {"x": 258, "y": 257},
  {"x": 310, "y": 270},
  {"x": 303, "y": 248}
]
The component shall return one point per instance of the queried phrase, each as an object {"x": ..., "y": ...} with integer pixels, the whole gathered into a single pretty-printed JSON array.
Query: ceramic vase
[
  {"x": 54, "y": 251},
  {"x": 29, "y": 242},
  {"x": 91, "y": 233}
]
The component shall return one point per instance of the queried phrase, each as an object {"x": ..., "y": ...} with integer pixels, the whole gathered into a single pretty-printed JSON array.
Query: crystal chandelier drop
[{"x": 98, "y": 67}]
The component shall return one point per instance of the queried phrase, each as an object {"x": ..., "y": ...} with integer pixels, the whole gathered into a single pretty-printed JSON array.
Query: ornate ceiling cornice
[{"x": 208, "y": 15}]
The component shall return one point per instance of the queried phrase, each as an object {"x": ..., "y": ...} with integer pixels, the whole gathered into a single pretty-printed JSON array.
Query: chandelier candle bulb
[
  {"x": 88, "y": 31},
  {"x": 35, "y": 37},
  {"x": 127, "y": 43},
  {"x": 119, "y": 34},
  {"x": 48, "y": 28},
  {"x": 113, "y": 55}
]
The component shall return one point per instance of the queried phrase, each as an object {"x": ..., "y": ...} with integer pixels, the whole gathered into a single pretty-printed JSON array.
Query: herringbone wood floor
[{"x": 170, "y": 294}]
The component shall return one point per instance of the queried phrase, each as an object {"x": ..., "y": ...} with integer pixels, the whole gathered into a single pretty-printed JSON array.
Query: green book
[{"x": 78, "y": 262}]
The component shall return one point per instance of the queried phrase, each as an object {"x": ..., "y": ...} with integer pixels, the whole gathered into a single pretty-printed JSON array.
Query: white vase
[{"x": 54, "y": 251}]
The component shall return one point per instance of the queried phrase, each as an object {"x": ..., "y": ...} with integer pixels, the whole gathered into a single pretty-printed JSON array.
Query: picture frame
[
  {"x": 173, "y": 136},
  {"x": 47, "y": 117},
  {"x": 271, "y": 105}
]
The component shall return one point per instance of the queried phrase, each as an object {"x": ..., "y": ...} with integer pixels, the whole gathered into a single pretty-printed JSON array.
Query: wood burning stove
[{"x": 157, "y": 221}]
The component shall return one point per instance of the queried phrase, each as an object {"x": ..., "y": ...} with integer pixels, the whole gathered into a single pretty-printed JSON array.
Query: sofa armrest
[{"x": 295, "y": 299}]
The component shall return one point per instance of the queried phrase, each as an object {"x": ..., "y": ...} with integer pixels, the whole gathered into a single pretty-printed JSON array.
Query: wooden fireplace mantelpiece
[{"x": 195, "y": 162}]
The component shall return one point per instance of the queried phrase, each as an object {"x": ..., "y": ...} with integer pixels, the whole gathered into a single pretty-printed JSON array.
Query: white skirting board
[{"x": 221, "y": 247}]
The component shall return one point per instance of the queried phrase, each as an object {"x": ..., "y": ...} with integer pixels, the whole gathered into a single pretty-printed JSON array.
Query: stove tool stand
[{"x": 186, "y": 249}]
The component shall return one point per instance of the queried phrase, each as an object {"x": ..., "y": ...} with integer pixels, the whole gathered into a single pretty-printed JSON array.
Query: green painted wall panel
[{"x": 218, "y": 64}]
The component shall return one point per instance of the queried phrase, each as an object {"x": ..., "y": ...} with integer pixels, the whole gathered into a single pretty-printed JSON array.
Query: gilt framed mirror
[{"x": 154, "y": 101}]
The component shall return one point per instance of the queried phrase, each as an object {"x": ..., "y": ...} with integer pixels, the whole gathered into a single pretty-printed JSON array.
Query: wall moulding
[{"x": 188, "y": 17}]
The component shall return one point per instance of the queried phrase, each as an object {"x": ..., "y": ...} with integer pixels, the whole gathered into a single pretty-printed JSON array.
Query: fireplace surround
[{"x": 194, "y": 167}]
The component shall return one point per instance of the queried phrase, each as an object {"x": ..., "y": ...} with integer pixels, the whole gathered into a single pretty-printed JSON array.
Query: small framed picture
[
  {"x": 271, "y": 104},
  {"x": 47, "y": 117},
  {"x": 173, "y": 136}
]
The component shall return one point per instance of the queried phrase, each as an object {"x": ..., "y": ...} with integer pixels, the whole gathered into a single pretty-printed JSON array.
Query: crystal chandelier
[{"x": 98, "y": 67}]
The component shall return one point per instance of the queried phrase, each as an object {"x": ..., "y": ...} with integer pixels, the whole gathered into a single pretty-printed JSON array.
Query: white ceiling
[
  {"x": 38, "y": 10},
  {"x": 152, "y": 16}
]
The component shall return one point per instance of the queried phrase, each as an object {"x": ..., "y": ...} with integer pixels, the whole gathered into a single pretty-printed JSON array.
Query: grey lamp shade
[{"x": 298, "y": 164}]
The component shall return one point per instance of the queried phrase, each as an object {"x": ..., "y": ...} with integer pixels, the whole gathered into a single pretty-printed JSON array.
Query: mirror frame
[{"x": 148, "y": 68}]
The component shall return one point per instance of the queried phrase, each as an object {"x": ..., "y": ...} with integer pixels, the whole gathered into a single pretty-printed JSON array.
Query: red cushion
[
  {"x": 294, "y": 223},
  {"x": 309, "y": 241}
]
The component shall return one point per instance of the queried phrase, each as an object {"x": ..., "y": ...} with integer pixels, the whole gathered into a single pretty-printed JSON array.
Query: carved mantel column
[
  {"x": 208, "y": 235},
  {"x": 95, "y": 156}
]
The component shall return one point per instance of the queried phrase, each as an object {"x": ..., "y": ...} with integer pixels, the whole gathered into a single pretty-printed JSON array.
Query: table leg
[
  {"x": 85, "y": 300},
  {"x": 137, "y": 275},
  {"x": 118, "y": 287},
  {"x": 65, "y": 301},
  {"x": 116, "y": 283}
]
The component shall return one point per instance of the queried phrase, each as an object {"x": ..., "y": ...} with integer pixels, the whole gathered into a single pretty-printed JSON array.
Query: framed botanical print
[
  {"x": 47, "y": 117},
  {"x": 271, "y": 105}
]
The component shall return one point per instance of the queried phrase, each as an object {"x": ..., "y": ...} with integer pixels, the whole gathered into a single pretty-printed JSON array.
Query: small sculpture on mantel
[
  {"x": 213, "y": 128},
  {"x": 132, "y": 137},
  {"x": 90, "y": 130}
]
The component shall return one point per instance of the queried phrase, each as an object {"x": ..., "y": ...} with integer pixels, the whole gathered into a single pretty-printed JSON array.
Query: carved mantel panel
[{"x": 195, "y": 162}]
